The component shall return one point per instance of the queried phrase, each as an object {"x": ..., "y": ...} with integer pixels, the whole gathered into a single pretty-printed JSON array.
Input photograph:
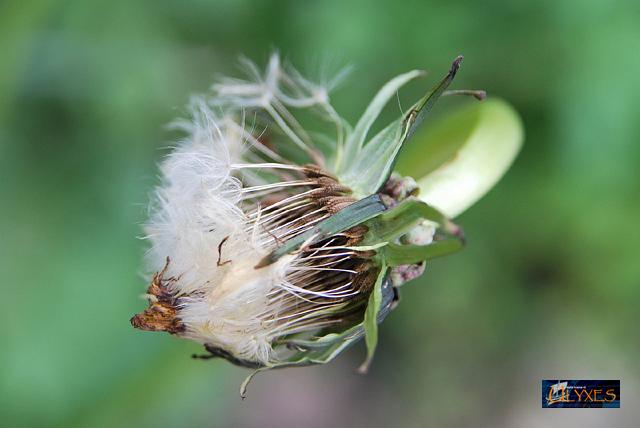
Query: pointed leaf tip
[
  {"x": 420, "y": 110},
  {"x": 455, "y": 66}
]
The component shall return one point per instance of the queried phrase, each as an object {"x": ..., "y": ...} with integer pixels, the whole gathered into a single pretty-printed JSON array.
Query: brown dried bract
[{"x": 161, "y": 315}]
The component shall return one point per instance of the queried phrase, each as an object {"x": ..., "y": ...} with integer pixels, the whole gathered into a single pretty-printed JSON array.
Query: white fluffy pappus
[{"x": 226, "y": 200}]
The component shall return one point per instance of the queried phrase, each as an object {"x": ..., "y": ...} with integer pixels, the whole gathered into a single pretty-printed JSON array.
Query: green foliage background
[{"x": 548, "y": 285}]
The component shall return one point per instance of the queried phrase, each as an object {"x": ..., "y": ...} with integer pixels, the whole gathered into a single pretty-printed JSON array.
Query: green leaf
[
  {"x": 323, "y": 341},
  {"x": 396, "y": 254},
  {"x": 392, "y": 224},
  {"x": 371, "y": 319},
  {"x": 371, "y": 166},
  {"x": 357, "y": 137},
  {"x": 321, "y": 350},
  {"x": 370, "y": 169},
  {"x": 419, "y": 112},
  {"x": 460, "y": 158},
  {"x": 352, "y": 215},
  {"x": 400, "y": 219}
]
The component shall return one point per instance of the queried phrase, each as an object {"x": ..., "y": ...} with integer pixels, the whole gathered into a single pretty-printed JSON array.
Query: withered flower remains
[{"x": 276, "y": 246}]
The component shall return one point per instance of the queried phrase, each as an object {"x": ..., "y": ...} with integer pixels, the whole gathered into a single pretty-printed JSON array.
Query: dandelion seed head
[
  {"x": 226, "y": 200},
  {"x": 251, "y": 252}
]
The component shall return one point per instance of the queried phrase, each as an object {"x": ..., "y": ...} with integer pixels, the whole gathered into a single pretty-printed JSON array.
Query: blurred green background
[{"x": 547, "y": 287}]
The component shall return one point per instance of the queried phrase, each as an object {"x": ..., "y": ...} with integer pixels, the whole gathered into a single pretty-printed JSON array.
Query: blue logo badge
[{"x": 580, "y": 393}]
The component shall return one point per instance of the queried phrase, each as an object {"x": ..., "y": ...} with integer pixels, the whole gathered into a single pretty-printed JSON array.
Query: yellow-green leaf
[{"x": 458, "y": 159}]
